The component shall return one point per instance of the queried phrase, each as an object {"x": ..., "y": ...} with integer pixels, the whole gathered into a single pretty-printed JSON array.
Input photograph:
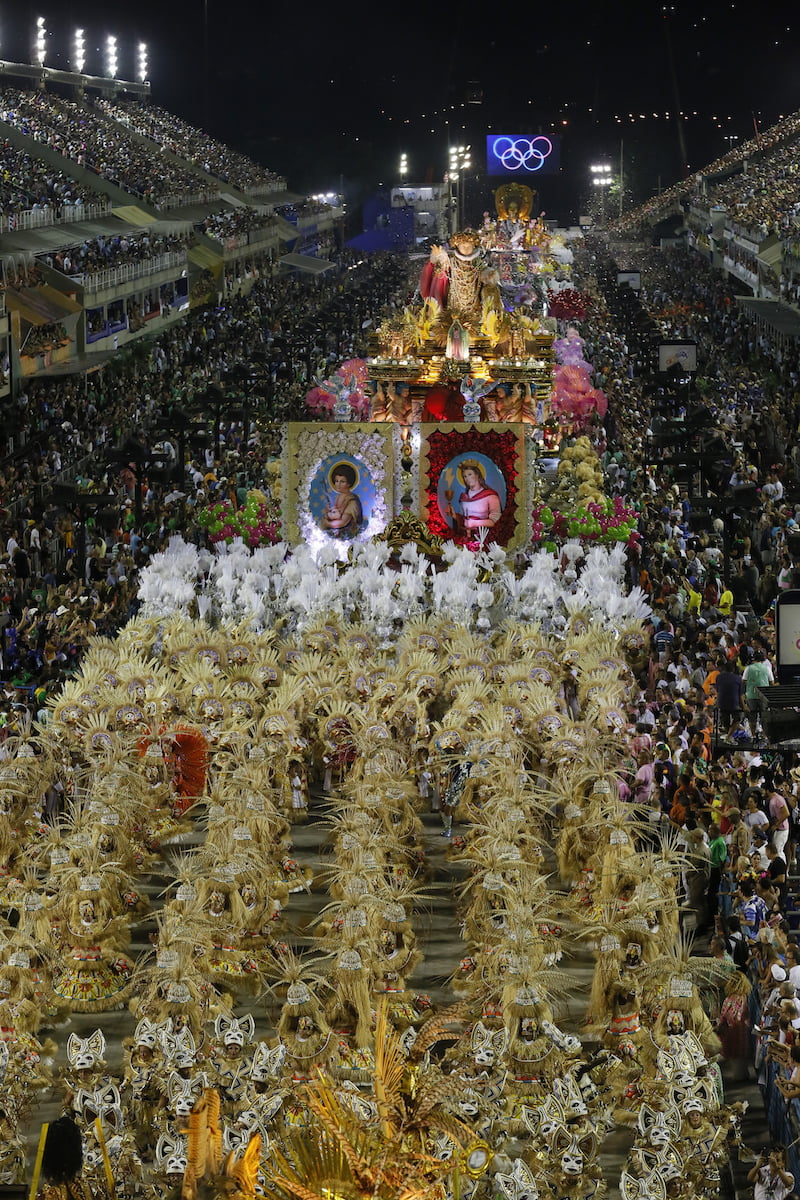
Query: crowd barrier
[{"x": 182, "y": 199}]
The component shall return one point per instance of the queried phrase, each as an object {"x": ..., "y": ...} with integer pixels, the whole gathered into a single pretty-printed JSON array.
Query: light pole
[
  {"x": 111, "y": 57},
  {"x": 601, "y": 178},
  {"x": 460, "y": 161}
]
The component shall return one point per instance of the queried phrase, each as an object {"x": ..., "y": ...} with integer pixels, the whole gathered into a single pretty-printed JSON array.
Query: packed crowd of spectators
[
  {"x": 22, "y": 271},
  {"x": 105, "y": 251},
  {"x": 82, "y": 133},
  {"x": 239, "y": 223},
  {"x": 768, "y": 158},
  {"x": 193, "y": 145},
  {"x": 703, "y": 765},
  {"x": 64, "y": 430},
  {"x": 235, "y": 222},
  {"x": 765, "y": 198},
  {"x": 28, "y": 184}
]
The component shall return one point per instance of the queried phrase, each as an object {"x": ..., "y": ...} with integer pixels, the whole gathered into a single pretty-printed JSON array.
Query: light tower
[
  {"x": 40, "y": 45},
  {"x": 79, "y": 51},
  {"x": 111, "y": 56},
  {"x": 601, "y": 178}
]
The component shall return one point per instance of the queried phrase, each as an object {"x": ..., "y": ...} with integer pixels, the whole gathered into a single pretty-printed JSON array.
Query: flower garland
[
  {"x": 570, "y": 305},
  {"x": 346, "y": 385},
  {"x": 573, "y": 396},
  {"x": 502, "y": 448}
]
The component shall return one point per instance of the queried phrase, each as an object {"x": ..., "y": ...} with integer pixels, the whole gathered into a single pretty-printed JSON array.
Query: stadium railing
[
  {"x": 37, "y": 218},
  {"x": 114, "y": 276}
]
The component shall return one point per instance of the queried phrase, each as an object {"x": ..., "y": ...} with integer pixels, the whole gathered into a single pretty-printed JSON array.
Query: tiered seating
[
  {"x": 769, "y": 158},
  {"x": 102, "y": 253},
  {"x": 193, "y": 145},
  {"x": 29, "y": 185},
  {"x": 767, "y": 198},
  {"x": 91, "y": 139},
  {"x": 234, "y": 223}
]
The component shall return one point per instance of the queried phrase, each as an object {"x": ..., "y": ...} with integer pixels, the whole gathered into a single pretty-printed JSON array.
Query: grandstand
[
  {"x": 194, "y": 147},
  {"x": 117, "y": 217},
  {"x": 742, "y": 213}
]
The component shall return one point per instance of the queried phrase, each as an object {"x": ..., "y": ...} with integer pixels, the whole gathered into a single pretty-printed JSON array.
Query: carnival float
[{"x": 469, "y": 377}]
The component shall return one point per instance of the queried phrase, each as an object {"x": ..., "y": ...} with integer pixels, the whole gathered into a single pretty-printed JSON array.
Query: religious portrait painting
[
  {"x": 341, "y": 485},
  {"x": 471, "y": 493},
  {"x": 341, "y": 496},
  {"x": 472, "y": 483}
]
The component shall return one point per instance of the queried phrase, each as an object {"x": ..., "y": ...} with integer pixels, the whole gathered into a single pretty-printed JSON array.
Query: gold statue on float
[{"x": 464, "y": 298}]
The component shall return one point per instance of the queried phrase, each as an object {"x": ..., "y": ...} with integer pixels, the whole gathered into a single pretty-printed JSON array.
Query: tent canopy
[
  {"x": 305, "y": 262},
  {"x": 41, "y": 305},
  {"x": 134, "y": 215},
  {"x": 204, "y": 257}
]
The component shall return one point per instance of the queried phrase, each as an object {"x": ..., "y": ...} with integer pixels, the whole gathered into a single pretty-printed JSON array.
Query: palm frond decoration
[
  {"x": 338, "y": 1154},
  {"x": 679, "y": 962}
]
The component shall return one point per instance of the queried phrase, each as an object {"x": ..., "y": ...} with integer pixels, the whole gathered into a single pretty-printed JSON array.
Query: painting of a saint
[
  {"x": 478, "y": 502},
  {"x": 344, "y": 514},
  {"x": 341, "y": 496}
]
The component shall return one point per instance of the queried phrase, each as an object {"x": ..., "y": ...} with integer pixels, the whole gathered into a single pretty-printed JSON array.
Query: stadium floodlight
[
  {"x": 41, "y": 38},
  {"x": 111, "y": 56},
  {"x": 142, "y": 62},
  {"x": 460, "y": 158},
  {"x": 79, "y": 51},
  {"x": 601, "y": 174},
  {"x": 403, "y": 164}
]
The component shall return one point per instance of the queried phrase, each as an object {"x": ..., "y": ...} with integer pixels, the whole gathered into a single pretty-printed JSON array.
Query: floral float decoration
[
  {"x": 343, "y": 396},
  {"x": 602, "y": 522},
  {"x": 257, "y": 522},
  {"x": 569, "y": 305},
  {"x": 574, "y": 398},
  {"x": 569, "y": 349},
  {"x": 577, "y": 509}
]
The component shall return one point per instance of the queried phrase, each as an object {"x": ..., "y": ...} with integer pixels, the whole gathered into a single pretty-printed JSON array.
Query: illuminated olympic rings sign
[{"x": 522, "y": 153}]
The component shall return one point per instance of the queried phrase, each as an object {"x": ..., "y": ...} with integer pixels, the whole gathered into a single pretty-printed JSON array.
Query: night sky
[{"x": 332, "y": 94}]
